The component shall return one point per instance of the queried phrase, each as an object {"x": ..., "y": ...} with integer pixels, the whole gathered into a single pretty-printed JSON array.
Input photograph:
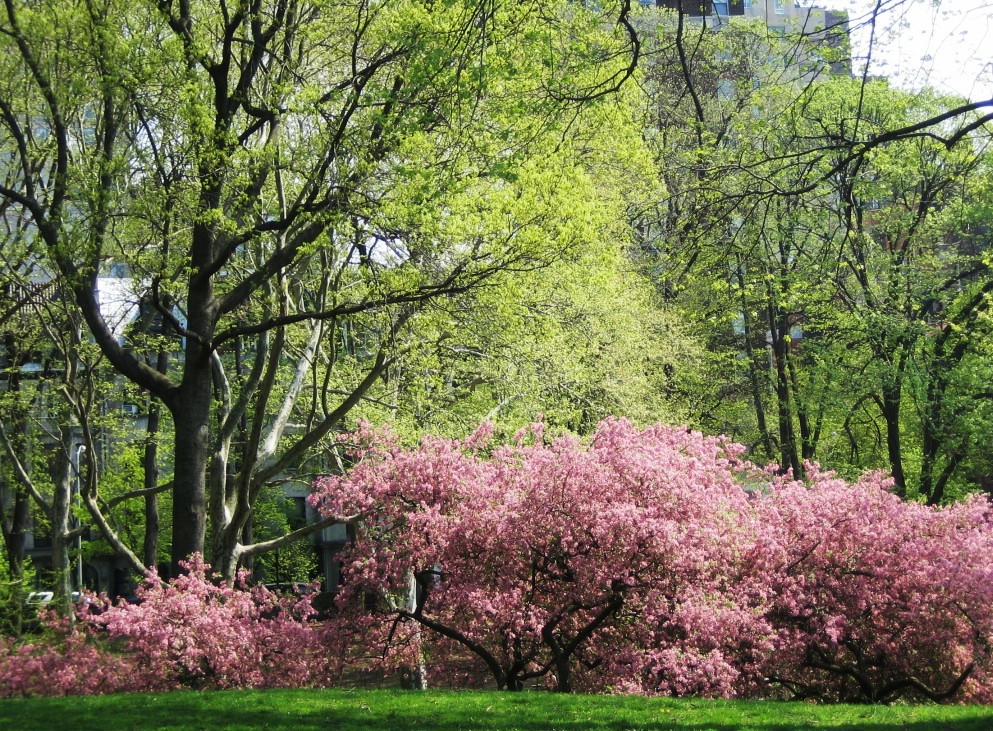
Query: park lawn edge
[{"x": 303, "y": 709}]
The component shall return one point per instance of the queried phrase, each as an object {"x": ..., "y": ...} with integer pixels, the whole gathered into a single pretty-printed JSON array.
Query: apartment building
[
  {"x": 820, "y": 32},
  {"x": 776, "y": 14}
]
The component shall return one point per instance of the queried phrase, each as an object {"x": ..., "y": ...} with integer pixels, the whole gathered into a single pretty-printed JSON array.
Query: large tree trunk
[
  {"x": 191, "y": 416},
  {"x": 192, "y": 401}
]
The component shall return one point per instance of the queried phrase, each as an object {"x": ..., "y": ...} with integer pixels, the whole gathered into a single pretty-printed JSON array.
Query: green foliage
[
  {"x": 841, "y": 289},
  {"x": 297, "y": 194},
  {"x": 273, "y": 516},
  {"x": 578, "y": 338},
  {"x": 14, "y": 612}
]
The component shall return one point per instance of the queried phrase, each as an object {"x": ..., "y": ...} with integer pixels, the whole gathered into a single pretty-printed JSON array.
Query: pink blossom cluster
[
  {"x": 659, "y": 561},
  {"x": 654, "y": 561},
  {"x": 874, "y": 597},
  {"x": 197, "y": 633},
  {"x": 191, "y": 632},
  {"x": 64, "y": 662}
]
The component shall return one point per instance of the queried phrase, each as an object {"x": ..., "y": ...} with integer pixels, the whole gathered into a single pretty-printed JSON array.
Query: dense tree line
[
  {"x": 841, "y": 282},
  {"x": 302, "y": 206},
  {"x": 252, "y": 224}
]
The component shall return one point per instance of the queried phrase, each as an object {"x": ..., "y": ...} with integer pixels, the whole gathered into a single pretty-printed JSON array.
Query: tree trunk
[
  {"x": 63, "y": 479},
  {"x": 226, "y": 552},
  {"x": 150, "y": 467},
  {"x": 563, "y": 675},
  {"x": 808, "y": 436},
  {"x": 191, "y": 416},
  {"x": 894, "y": 442},
  {"x": 754, "y": 369},
  {"x": 415, "y": 676},
  {"x": 150, "y": 544},
  {"x": 247, "y": 539},
  {"x": 789, "y": 454},
  {"x": 15, "y": 527}
]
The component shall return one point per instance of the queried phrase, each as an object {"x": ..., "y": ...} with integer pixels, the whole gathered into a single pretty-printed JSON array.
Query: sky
[{"x": 946, "y": 44}]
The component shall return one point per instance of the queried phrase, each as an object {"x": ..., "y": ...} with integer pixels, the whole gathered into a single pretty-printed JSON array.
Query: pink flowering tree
[
  {"x": 658, "y": 561},
  {"x": 64, "y": 661},
  {"x": 652, "y": 560},
  {"x": 616, "y": 563},
  {"x": 196, "y": 632},
  {"x": 192, "y": 632},
  {"x": 875, "y": 598}
]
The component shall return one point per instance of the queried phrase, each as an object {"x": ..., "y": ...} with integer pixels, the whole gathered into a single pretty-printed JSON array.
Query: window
[
  {"x": 694, "y": 8},
  {"x": 725, "y": 8},
  {"x": 780, "y": 7}
]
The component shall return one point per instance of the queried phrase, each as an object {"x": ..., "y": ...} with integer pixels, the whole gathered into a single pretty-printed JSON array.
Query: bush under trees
[
  {"x": 660, "y": 561},
  {"x": 655, "y": 561},
  {"x": 190, "y": 633},
  {"x": 873, "y": 597}
]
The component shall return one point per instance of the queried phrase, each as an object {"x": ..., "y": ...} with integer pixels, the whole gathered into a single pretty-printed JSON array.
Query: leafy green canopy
[{"x": 298, "y": 193}]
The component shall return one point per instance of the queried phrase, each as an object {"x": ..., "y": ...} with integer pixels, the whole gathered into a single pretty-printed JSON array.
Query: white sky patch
[
  {"x": 947, "y": 45},
  {"x": 118, "y": 303}
]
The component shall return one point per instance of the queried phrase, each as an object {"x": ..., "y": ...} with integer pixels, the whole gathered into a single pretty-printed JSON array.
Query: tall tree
[{"x": 287, "y": 184}]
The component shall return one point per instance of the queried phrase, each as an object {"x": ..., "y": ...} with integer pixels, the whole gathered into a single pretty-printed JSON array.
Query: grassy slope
[{"x": 302, "y": 710}]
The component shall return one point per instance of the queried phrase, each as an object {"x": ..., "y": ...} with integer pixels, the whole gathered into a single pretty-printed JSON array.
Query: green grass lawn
[{"x": 362, "y": 710}]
